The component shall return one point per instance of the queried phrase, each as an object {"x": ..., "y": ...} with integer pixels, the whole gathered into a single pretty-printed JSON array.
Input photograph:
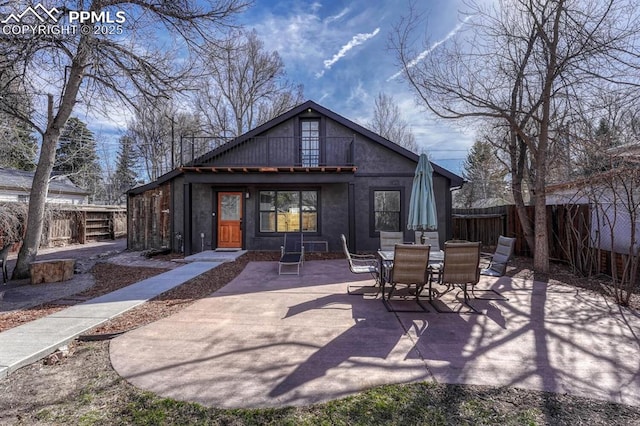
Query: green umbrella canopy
[{"x": 422, "y": 205}]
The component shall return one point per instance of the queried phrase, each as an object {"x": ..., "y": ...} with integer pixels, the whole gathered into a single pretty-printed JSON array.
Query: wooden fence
[
  {"x": 568, "y": 227},
  {"x": 65, "y": 225},
  {"x": 82, "y": 224},
  {"x": 484, "y": 225}
]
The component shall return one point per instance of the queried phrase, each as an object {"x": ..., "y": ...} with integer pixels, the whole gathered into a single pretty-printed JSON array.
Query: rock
[{"x": 61, "y": 353}]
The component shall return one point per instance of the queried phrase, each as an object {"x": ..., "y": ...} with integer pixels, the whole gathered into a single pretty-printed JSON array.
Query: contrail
[
  {"x": 355, "y": 41},
  {"x": 424, "y": 54}
]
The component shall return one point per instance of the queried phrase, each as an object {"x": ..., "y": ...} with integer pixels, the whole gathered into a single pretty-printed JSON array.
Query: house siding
[
  {"x": 344, "y": 192},
  {"x": 177, "y": 214},
  {"x": 149, "y": 219}
]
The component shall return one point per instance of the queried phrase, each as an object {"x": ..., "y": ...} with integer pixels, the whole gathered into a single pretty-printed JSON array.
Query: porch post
[
  {"x": 187, "y": 219},
  {"x": 351, "y": 220}
]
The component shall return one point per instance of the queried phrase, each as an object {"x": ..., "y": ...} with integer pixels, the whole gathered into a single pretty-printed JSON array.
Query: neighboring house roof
[
  {"x": 11, "y": 179},
  {"x": 629, "y": 151},
  {"x": 580, "y": 190},
  {"x": 456, "y": 180}
]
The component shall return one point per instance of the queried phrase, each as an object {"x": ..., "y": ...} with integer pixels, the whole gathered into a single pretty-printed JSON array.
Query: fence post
[
  {"x": 82, "y": 228},
  {"x": 112, "y": 225}
]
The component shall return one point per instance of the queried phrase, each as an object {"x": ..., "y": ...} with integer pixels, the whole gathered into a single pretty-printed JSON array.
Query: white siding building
[{"x": 15, "y": 185}]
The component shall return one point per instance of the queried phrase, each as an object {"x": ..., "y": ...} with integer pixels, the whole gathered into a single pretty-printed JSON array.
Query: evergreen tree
[
  {"x": 595, "y": 157},
  {"x": 485, "y": 176},
  {"x": 77, "y": 158},
  {"x": 125, "y": 176},
  {"x": 18, "y": 145}
]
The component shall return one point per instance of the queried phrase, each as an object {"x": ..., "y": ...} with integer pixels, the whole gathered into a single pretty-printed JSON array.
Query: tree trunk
[
  {"x": 541, "y": 252},
  {"x": 40, "y": 184},
  {"x": 523, "y": 217},
  {"x": 518, "y": 154},
  {"x": 37, "y": 204}
]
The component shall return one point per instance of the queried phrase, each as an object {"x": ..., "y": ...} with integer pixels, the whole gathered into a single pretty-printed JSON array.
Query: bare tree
[
  {"x": 613, "y": 197},
  {"x": 617, "y": 207},
  {"x": 388, "y": 123},
  {"x": 245, "y": 86},
  {"x": 157, "y": 132},
  {"x": 150, "y": 132},
  {"x": 94, "y": 66},
  {"x": 523, "y": 64}
]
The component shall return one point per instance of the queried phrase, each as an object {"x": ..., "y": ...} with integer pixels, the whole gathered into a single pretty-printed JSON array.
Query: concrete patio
[{"x": 266, "y": 340}]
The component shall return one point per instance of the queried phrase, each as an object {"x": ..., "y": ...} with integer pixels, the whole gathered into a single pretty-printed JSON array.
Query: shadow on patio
[{"x": 266, "y": 340}]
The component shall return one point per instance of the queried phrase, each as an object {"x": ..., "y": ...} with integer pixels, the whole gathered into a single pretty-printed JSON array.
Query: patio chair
[
  {"x": 361, "y": 264},
  {"x": 409, "y": 270},
  {"x": 431, "y": 238},
  {"x": 461, "y": 268},
  {"x": 498, "y": 265},
  {"x": 428, "y": 238},
  {"x": 4, "y": 253},
  {"x": 388, "y": 239},
  {"x": 291, "y": 253}
]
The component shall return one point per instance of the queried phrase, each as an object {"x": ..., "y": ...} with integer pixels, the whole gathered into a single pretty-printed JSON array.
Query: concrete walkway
[
  {"x": 32, "y": 341},
  {"x": 266, "y": 340}
]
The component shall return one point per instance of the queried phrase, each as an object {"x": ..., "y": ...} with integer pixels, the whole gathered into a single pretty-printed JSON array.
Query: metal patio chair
[
  {"x": 461, "y": 269},
  {"x": 409, "y": 271},
  {"x": 498, "y": 265},
  {"x": 361, "y": 264},
  {"x": 291, "y": 253},
  {"x": 389, "y": 239},
  {"x": 431, "y": 238},
  {"x": 428, "y": 238}
]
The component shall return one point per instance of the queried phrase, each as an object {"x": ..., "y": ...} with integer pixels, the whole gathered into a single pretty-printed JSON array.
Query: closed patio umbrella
[{"x": 422, "y": 204}]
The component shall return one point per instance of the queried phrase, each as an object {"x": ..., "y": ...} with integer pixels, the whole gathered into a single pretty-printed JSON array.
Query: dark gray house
[{"x": 309, "y": 170}]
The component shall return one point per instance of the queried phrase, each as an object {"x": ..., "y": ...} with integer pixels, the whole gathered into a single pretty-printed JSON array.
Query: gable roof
[
  {"x": 456, "y": 180},
  {"x": 11, "y": 179}
]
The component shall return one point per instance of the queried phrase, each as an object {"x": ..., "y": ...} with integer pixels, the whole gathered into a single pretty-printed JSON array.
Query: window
[
  {"x": 310, "y": 142},
  {"x": 288, "y": 211},
  {"x": 386, "y": 210}
]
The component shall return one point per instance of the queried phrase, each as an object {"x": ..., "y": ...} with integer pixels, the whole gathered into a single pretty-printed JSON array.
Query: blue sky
[{"x": 338, "y": 50}]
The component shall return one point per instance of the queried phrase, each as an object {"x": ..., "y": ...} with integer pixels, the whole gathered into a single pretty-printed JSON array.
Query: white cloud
[
  {"x": 337, "y": 17},
  {"x": 306, "y": 36},
  {"x": 316, "y": 6},
  {"x": 291, "y": 35},
  {"x": 424, "y": 53},
  {"x": 311, "y": 41},
  {"x": 356, "y": 40},
  {"x": 358, "y": 95}
]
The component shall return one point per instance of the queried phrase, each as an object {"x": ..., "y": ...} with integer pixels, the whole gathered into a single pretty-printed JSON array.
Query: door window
[{"x": 230, "y": 205}]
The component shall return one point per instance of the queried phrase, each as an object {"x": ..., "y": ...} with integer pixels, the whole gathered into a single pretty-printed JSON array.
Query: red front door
[{"x": 230, "y": 219}]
